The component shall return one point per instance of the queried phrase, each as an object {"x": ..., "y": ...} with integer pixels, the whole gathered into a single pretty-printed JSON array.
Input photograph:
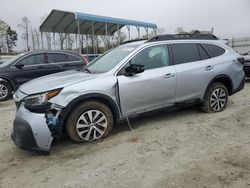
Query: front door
[
  {"x": 34, "y": 66},
  {"x": 152, "y": 89}
]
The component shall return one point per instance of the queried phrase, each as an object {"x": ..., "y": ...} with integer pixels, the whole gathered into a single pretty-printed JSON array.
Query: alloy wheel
[
  {"x": 3, "y": 91},
  {"x": 91, "y": 125},
  {"x": 218, "y": 99}
]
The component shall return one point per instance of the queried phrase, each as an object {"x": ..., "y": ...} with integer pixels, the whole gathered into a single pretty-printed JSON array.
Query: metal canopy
[{"x": 81, "y": 23}]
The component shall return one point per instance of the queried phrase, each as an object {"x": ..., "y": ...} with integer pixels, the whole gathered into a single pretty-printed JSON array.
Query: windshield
[
  {"x": 109, "y": 60},
  {"x": 10, "y": 61}
]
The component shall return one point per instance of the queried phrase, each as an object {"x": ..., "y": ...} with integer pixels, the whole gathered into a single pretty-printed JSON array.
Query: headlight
[{"x": 41, "y": 98}]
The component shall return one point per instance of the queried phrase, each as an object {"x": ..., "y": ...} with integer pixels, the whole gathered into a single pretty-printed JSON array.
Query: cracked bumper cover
[{"x": 30, "y": 131}]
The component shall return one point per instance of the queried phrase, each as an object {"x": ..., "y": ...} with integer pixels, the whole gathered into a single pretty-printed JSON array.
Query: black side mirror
[
  {"x": 134, "y": 69},
  {"x": 241, "y": 60},
  {"x": 19, "y": 65}
]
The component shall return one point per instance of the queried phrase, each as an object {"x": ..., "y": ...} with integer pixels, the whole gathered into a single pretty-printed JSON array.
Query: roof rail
[
  {"x": 134, "y": 40},
  {"x": 183, "y": 37}
]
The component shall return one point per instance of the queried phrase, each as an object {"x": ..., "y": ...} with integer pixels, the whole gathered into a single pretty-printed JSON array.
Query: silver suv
[{"x": 134, "y": 78}]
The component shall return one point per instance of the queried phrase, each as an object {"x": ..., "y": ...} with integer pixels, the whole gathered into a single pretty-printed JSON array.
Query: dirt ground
[{"x": 184, "y": 148}]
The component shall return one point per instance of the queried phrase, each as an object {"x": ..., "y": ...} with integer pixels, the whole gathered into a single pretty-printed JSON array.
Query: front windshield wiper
[{"x": 86, "y": 70}]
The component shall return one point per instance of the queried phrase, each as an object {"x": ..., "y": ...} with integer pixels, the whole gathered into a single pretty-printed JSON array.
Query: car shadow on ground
[
  {"x": 247, "y": 80},
  {"x": 137, "y": 123}
]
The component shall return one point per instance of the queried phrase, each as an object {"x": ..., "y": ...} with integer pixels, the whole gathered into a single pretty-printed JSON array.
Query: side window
[
  {"x": 185, "y": 53},
  {"x": 152, "y": 57},
  {"x": 213, "y": 50},
  {"x": 203, "y": 53},
  {"x": 73, "y": 58},
  {"x": 32, "y": 60},
  {"x": 56, "y": 58}
]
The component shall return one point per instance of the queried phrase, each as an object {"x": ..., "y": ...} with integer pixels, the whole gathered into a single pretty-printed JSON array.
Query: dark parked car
[
  {"x": 247, "y": 64},
  {"x": 90, "y": 57},
  {"x": 24, "y": 67}
]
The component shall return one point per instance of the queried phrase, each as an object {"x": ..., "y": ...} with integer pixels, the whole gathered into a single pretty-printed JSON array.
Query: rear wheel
[
  {"x": 215, "y": 99},
  {"x": 5, "y": 91},
  {"x": 89, "y": 121}
]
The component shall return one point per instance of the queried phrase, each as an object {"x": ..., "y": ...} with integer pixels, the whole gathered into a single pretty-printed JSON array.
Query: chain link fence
[{"x": 241, "y": 45}]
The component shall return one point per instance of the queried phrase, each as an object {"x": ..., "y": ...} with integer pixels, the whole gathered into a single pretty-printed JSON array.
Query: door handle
[
  {"x": 209, "y": 67},
  {"x": 169, "y": 75}
]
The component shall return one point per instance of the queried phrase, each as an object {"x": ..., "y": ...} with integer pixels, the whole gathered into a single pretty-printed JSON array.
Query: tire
[
  {"x": 89, "y": 121},
  {"x": 5, "y": 91},
  {"x": 215, "y": 99}
]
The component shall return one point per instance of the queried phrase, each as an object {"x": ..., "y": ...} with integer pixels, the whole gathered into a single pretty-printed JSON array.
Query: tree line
[{"x": 8, "y": 38}]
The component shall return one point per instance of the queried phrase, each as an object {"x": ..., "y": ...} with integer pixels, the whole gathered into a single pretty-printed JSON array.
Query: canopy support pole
[
  {"x": 79, "y": 32},
  {"x": 112, "y": 41},
  {"x": 87, "y": 43},
  {"x": 138, "y": 29},
  {"x": 76, "y": 40},
  {"x": 155, "y": 31},
  {"x": 128, "y": 27},
  {"x": 106, "y": 37},
  {"x": 66, "y": 41},
  {"x": 42, "y": 40},
  {"x": 119, "y": 34},
  {"x": 146, "y": 28},
  {"x": 54, "y": 40},
  {"x": 93, "y": 37}
]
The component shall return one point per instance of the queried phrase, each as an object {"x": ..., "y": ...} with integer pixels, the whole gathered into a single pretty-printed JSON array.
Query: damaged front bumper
[{"x": 35, "y": 131}]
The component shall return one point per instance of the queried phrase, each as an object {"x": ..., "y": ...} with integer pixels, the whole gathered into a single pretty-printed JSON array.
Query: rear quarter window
[{"x": 213, "y": 50}]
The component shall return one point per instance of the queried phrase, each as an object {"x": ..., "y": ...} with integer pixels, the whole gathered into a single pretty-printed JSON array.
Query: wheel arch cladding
[
  {"x": 92, "y": 97},
  {"x": 225, "y": 80}
]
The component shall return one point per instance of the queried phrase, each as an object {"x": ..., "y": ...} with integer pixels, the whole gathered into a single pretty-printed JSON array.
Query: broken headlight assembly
[{"x": 38, "y": 103}]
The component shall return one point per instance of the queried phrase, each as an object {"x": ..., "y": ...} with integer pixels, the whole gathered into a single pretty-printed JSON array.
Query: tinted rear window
[
  {"x": 185, "y": 52},
  {"x": 73, "y": 58},
  {"x": 213, "y": 50},
  {"x": 55, "y": 58}
]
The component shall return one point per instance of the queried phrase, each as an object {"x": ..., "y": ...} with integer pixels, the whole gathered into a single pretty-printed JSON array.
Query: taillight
[{"x": 241, "y": 60}]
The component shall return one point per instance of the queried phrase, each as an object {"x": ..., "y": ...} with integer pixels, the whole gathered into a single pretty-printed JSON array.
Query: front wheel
[
  {"x": 5, "y": 91},
  {"x": 215, "y": 99},
  {"x": 89, "y": 121}
]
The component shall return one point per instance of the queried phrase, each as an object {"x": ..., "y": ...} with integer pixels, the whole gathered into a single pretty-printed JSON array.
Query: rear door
[
  {"x": 74, "y": 62},
  {"x": 152, "y": 89},
  {"x": 56, "y": 62},
  {"x": 62, "y": 61},
  {"x": 193, "y": 68}
]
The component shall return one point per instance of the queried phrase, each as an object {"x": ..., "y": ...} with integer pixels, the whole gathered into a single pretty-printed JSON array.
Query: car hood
[
  {"x": 55, "y": 81},
  {"x": 3, "y": 70}
]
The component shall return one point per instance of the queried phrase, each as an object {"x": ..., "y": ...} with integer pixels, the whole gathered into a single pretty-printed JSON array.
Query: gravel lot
[{"x": 185, "y": 148}]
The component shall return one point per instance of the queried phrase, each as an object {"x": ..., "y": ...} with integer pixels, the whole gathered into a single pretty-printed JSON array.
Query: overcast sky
[{"x": 228, "y": 17}]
